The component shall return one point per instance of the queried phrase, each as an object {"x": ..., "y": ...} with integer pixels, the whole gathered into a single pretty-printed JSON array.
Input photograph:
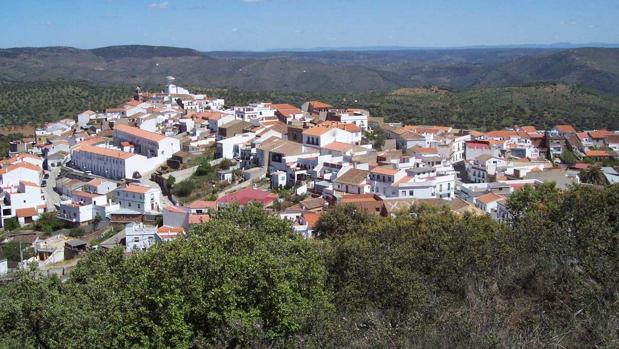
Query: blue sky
[{"x": 267, "y": 24}]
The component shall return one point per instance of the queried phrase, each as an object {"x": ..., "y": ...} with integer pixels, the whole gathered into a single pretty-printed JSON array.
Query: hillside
[
  {"x": 359, "y": 71},
  {"x": 542, "y": 104},
  {"x": 37, "y": 102}
]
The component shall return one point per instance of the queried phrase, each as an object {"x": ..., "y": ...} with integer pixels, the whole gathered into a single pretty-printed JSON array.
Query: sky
[{"x": 212, "y": 25}]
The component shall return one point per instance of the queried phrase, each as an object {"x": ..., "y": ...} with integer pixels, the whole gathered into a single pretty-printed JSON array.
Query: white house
[
  {"x": 110, "y": 162},
  {"x": 229, "y": 148},
  {"x": 20, "y": 171},
  {"x": 149, "y": 144},
  {"x": 140, "y": 198},
  {"x": 139, "y": 237},
  {"x": 483, "y": 167}
]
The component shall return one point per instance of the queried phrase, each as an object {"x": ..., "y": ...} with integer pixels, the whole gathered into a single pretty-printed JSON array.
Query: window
[
  {"x": 410, "y": 192},
  {"x": 138, "y": 205}
]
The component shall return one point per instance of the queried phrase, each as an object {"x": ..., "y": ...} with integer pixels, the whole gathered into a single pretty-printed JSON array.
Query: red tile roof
[
  {"x": 201, "y": 204},
  {"x": 490, "y": 197},
  {"x": 135, "y": 188},
  {"x": 199, "y": 218},
  {"x": 111, "y": 153},
  {"x": 26, "y": 212},
  {"x": 565, "y": 128},
  {"x": 138, "y": 132},
  {"x": 247, "y": 195}
]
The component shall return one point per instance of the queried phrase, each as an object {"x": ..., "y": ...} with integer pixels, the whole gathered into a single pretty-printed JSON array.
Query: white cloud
[
  {"x": 252, "y": 0},
  {"x": 234, "y": 30},
  {"x": 158, "y": 5}
]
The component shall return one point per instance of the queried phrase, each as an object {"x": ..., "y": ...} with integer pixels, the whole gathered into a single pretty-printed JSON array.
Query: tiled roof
[
  {"x": 26, "y": 212},
  {"x": 490, "y": 197},
  {"x": 112, "y": 153},
  {"x": 565, "y": 128},
  {"x": 138, "y": 132},
  {"x": 248, "y": 195},
  {"x": 385, "y": 171},
  {"x": 338, "y": 146},
  {"x": 198, "y": 204},
  {"x": 316, "y": 131},
  {"x": 134, "y": 188},
  {"x": 353, "y": 176},
  {"x": 597, "y": 153},
  {"x": 199, "y": 218}
]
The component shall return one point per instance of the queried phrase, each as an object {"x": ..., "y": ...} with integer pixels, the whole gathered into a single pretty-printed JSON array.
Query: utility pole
[{"x": 21, "y": 254}]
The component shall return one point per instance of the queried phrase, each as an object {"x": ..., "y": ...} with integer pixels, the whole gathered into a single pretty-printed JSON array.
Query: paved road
[{"x": 51, "y": 197}]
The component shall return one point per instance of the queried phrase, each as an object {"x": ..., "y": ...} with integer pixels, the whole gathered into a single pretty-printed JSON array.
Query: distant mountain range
[{"x": 349, "y": 69}]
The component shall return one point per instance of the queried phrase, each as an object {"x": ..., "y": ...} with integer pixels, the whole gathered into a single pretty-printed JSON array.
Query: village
[{"x": 145, "y": 172}]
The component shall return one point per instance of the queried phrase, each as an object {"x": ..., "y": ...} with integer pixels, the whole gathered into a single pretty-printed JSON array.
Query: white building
[
  {"x": 412, "y": 183},
  {"x": 139, "y": 237},
  {"x": 13, "y": 174},
  {"x": 229, "y": 148},
  {"x": 139, "y": 198},
  {"x": 255, "y": 112},
  {"x": 149, "y": 144},
  {"x": 25, "y": 201},
  {"x": 110, "y": 162}
]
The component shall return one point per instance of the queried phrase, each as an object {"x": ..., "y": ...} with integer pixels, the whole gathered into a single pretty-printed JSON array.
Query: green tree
[
  {"x": 593, "y": 175},
  {"x": 11, "y": 224},
  {"x": 170, "y": 182},
  {"x": 342, "y": 220}
]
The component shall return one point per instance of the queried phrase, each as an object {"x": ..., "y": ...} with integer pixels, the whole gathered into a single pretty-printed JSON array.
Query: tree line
[{"x": 426, "y": 278}]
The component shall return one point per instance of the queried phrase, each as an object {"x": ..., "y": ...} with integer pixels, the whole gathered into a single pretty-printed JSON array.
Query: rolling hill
[{"x": 359, "y": 71}]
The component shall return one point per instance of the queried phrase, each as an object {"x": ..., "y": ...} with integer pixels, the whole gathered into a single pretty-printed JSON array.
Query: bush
[
  {"x": 49, "y": 222},
  {"x": 183, "y": 188},
  {"x": 11, "y": 224},
  {"x": 77, "y": 232}
]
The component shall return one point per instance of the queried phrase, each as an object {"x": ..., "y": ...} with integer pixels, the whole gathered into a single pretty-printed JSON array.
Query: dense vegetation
[
  {"x": 37, "y": 102},
  {"x": 542, "y": 105},
  {"x": 428, "y": 278}
]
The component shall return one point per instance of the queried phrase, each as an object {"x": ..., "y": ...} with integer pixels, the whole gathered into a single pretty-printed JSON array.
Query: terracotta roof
[
  {"x": 112, "y": 153},
  {"x": 167, "y": 229},
  {"x": 490, "y": 197},
  {"x": 423, "y": 150},
  {"x": 247, "y": 195},
  {"x": 338, "y": 146},
  {"x": 600, "y": 134},
  {"x": 175, "y": 209},
  {"x": 597, "y": 153},
  {"x": 319, "y": 105},
  {"x": 582, "y": 135},
  {"x": 86, "y": 194},
  {"x": 565, "y": 128},
  {"x": 95, "y": 182},
  {"x": 316, "y": 131},
  {"x": 199, "y": 218},
  {"x": 138, "y": 132},
  {"x": 24, "y": 165},
  {"x": 528, "y": 129},
  {"x": 26, "y": 212},
  {"x": 134, "y": 188},
  {"x": 385, "y": 171},
  {"x": 201, "y": 204},
  {"x": 311, "y": 218},
  {"x": 352, "y": 198}
]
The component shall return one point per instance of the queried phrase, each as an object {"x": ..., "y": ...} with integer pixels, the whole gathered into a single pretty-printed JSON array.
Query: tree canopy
[{"x": 425, "y": 278}]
